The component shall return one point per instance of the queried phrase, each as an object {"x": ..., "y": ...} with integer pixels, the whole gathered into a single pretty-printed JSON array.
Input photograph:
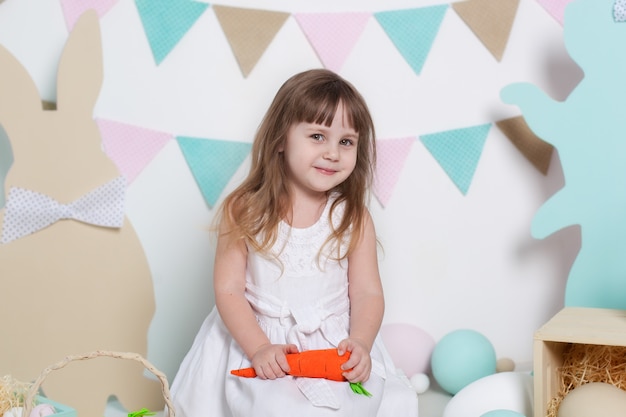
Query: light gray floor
[{"x": 431, "y": 404}]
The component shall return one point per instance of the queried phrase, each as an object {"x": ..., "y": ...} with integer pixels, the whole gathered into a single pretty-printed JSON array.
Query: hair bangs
[
  {"x": 319, "y": 107},
  {"x": 321, "y": 102}
]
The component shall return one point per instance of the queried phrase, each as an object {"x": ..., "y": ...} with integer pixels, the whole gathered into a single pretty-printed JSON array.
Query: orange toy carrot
[{"x": 320, "y": 363}]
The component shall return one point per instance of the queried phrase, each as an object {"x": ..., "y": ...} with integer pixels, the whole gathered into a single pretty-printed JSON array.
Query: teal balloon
[
  {"x": 503, "y": 413},
  {"x": 460, "y": 358}
]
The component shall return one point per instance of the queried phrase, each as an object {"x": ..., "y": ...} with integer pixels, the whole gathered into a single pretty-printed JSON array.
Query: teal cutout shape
[
  {"x": 6, "y": 160},
  {"x": 588, "y": 131},
  {"x": 458, "y": 152},
  {"x": 413, "y": 31},
  {"x": 213, "y": 163},
  {"x": 166, "y": 22}
]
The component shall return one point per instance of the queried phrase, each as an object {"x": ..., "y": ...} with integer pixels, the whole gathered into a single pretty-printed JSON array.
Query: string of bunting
[
  {"x": 332, "y": 35},
  {"x": 213, "y": 162}
]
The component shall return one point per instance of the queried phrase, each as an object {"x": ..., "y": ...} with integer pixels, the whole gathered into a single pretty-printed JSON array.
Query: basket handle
[{"x": 100, "y": 353}]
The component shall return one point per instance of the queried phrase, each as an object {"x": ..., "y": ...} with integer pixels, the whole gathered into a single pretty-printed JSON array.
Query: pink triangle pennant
[
  {"x": 332, "y": 35},
  {"x": 556, "y": 8},
  {"x": 131, "y": 147},
  {"x": 72, "y": 9},
  {"x": 391, "y": 155}
]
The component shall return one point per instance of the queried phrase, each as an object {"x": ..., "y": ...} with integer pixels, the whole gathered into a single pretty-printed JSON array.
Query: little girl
[{"x": 296, "y": 269}]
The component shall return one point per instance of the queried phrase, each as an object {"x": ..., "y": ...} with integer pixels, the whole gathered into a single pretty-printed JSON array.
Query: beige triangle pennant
[
  {"x": 536, "y": 150},
  {"x": 490, "y": 20},
  {"x": 249, "y": 32}
]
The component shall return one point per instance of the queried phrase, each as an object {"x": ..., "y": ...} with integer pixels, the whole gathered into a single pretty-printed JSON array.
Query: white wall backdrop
[{"x": 450, "y": 260}]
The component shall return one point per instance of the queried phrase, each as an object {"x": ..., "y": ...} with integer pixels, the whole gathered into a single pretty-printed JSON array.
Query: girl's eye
[
  {"x": 347, "y": 142},
  {"x": 317, "y": 137}
]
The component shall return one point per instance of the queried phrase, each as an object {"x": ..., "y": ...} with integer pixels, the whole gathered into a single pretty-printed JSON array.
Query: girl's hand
[
  {"x": 359, "y": 366},
  {"x": 270, "y": 362}
]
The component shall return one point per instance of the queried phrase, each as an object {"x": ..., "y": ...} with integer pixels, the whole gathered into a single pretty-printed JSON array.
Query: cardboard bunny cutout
[
  {"x": 587, "y": 128},
  {"x": 69, "y": 286}
]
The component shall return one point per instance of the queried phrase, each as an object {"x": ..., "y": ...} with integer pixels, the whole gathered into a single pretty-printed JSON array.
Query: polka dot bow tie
[
  {"x": 27, "y": 212},
  {"x": 619, "y": 10}
]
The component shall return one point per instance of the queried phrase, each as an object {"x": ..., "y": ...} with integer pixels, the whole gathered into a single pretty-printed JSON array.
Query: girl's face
[{"x": 319, "y": 157}]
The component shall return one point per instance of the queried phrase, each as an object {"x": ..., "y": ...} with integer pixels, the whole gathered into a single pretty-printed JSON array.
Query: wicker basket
[{"x": 33, "y": 392}]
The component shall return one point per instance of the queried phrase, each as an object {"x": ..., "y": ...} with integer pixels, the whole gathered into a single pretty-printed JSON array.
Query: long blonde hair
[{"x": 254, "y": 209}]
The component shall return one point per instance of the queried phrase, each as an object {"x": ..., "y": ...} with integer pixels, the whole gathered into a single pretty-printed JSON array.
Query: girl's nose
[{"x": 331, "y": 153}]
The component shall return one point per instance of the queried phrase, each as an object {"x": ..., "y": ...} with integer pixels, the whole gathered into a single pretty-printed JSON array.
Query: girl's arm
[
  {"x": 367, "y": 304},
  {"x": 229, "y": 283}
]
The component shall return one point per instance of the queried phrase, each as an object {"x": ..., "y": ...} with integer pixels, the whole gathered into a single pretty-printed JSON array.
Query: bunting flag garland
[
  {"x": 413, "y": 31},
  {"x": 72, "y": 9},
  {"x": 537, "y": 151},
  {"x": 556, "y": 8},
  {"x": 249, "y": 32},
  {"x": 130, "y": 147},
  {"x": 332, "y": 35},
  {"x": 391, "y": 155},
  {"x": 213, "y": 163},
  {"x": 490, "y": 20},
  {"x": 458, "y": 152},
  {"x": 166, "y": 22}
]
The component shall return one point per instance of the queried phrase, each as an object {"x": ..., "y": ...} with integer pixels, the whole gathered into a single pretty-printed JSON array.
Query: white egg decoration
[{"x": 593, "y": 399}]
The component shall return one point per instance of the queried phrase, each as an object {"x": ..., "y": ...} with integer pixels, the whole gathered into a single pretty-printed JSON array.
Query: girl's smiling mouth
[{"x": 325, "y": 171}]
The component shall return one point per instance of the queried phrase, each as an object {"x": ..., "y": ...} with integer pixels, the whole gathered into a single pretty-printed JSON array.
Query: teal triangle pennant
[
  {"x": 166, "y": 22},
  {"x": 413, "y": 31},
  {"x": 213, "y": 163},
  {"x": 6, "y": 160},
  {"x": 458, "y": 152}
]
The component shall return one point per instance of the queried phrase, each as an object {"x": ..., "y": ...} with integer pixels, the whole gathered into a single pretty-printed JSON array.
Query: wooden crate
[{"x": 593, "y": 326}]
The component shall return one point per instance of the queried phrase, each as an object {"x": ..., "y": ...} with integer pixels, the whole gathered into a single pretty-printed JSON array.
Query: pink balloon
[{"x": 409, "y": 346}]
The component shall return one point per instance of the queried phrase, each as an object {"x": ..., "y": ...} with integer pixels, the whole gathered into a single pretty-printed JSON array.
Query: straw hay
[
  {"x": 12, "y": 393},
  {"x": 589, "y": 363}
]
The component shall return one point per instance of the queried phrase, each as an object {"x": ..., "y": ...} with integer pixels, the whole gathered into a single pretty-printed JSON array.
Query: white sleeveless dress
[{"x": 301, "y": 300}]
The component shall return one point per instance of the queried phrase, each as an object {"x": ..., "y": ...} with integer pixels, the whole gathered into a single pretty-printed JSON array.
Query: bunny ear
[
  {"x": 18, "y": 93},
  {"x": 80, "y": 68}
]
